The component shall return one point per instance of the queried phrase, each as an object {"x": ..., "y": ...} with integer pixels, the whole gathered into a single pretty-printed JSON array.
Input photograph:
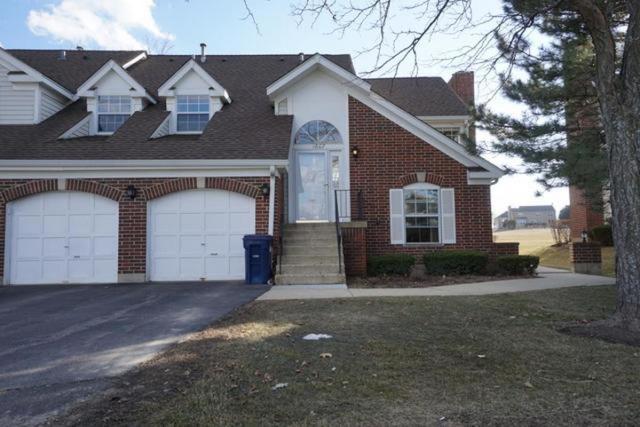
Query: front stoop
[{"x": 310, "y": 256}]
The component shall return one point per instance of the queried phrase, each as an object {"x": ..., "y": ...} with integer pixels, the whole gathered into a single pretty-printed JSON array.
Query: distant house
[{"x": 525, "y": 217}]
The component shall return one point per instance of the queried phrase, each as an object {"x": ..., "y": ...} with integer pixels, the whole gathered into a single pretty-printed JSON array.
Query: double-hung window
[
  {"x": 192, "y": 113},
  {"x": 452, "y": 133},
  {"x": 422, "y": 215},
  {"x": 113, "y": 111}
]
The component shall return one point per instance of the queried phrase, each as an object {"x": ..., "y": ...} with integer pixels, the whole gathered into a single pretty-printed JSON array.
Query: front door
[{"x": 312, "y": 186}]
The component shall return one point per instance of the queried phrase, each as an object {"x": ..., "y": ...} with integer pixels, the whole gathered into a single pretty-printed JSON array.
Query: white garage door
[
  {"x": 62, "y": 237},
  {"x": 197, "y": 235}
]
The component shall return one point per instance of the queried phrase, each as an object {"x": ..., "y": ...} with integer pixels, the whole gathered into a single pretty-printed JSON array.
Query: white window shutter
[
  {"x": 448, "y": 215},
  {"x": 396, "y": 216}
]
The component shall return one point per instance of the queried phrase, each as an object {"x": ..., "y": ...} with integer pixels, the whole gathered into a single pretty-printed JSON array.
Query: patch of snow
[{"x": 316, "y": 337}]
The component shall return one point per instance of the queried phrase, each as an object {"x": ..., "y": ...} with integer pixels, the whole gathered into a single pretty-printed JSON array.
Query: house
[
  {"x": 525, "y": 217},
  {"x": 122, "y": 166}
]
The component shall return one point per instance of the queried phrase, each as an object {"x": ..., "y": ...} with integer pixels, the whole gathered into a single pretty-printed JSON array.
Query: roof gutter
[{"x": 70, "y": 165}]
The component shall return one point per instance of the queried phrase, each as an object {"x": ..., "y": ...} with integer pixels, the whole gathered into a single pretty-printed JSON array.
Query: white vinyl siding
[
  {"x": 16, "y": 106},
  {"x": 162, "y": 130},
  {"x": 50, "y": 103}
]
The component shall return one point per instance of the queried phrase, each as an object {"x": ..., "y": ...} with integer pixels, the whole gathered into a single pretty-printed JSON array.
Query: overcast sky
[{"x": 182, "y": 25}]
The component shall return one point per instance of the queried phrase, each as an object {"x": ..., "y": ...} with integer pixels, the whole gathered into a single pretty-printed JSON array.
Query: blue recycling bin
[{"x": 257, "y": 258}]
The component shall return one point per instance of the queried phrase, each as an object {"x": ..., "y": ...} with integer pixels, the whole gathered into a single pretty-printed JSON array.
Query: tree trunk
[{"x": 619, "y": 97}]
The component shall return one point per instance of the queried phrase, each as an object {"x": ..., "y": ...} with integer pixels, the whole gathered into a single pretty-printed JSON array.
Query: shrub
[
  {"x": 602, "y": 234},
  {"x": 455, "y": 262},
  {"x": 517, "y": 265},
  {"x": 390, "y": 264}
]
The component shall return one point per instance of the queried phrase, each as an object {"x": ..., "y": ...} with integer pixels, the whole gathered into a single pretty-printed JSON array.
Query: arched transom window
[{"x": 318, "y": 132}]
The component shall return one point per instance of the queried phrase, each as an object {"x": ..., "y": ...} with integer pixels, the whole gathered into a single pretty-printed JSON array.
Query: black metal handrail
[
  {"x": 338, "y": 230},
  {"x": 346, "y": 208}
]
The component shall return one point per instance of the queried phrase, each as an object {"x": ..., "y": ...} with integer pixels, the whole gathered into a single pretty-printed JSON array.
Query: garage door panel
[
  {"x": 216, "y": 222},
  {"x": 53, "y": 271},
  {"x": 54, "y": 247},
  {"x": 239, "y": 222},
  {"x": 191, "y": 245},
  {"x": 104, "y": 223},
  {"x": 217, "y": 218},
  {"x": 57, "y": 237},
  {"x": 54, "y": 225},
  {"x": 165, "y": 222},
  {"x": 236, "y": 265},
  {"x": 191, "y": 268},
  {"x": 191, "y": 222},
  {"x": 80, "y": 246},
  {"x": 191, "y": 201},
  {"x": 217, "y": 201},
  {"x": 105, "y": 247},
  {"x": 28, "y": 247},
  {"x": 29, "y": 225},
  {"x": 165, "y": 246},
  {"x": 80, "y": 224},
  {"x": 79, "y": 202}
]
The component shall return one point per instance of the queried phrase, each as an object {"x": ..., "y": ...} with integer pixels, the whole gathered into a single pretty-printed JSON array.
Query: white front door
[
  {"x": 312, "y": 186},
  {"x": 197, "y": 235},
  {"x": 62, "y": 237}
]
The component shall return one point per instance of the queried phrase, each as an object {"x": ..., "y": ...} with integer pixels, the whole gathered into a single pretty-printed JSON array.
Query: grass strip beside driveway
[{"x": 461, "y": 360}]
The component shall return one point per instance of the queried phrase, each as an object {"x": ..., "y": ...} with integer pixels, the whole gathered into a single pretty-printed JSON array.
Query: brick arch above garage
[{"x": 30, "y": 188}]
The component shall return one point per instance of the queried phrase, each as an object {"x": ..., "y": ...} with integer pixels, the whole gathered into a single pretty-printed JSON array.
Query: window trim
[
  {"x": 98, "y": 113},
  {"x": 177, "y": 113},
  {"x": 423, "y": 186}
]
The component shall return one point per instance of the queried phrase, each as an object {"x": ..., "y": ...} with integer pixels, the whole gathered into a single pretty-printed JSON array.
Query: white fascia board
[
  {"x": 425, "y": 132},
  {"x": 137, "y": 164},
  {"x": 310, "y": 65},
  {"x": 111, "y": 65},
  {"x": 481, "y": 178},
  {"x": 6, "y": 56},
  {"x": 192, "y": 65},
  {"x": 135, "y": 60},
  {"x": 445, "y": 118}
]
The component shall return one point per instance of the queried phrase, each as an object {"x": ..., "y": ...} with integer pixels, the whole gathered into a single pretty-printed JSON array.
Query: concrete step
[
  {"x": 311, "y": 269},
  {"x": 310, "y": 259},
  {"x": 310, "y": 227},
  {"x": 320, "y": 239},
  {"x": 307, "y": 279},
  {"x": 311, "y": 250}
]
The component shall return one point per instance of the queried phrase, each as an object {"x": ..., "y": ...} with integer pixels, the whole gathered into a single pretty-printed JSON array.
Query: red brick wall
[
  {"x": 133, "y": 214},
  {"x": 354, "y": 242},
  {"x": 585, "y": 253},
  {"x": 506, "y": 248},
  {"x": 583, "y": 217},
  {"x": 387, "y": 153}
]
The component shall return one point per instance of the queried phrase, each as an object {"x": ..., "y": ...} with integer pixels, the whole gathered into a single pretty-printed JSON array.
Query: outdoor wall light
[
  {"x": 131, "y": 192},
  {"x": 355, "y": 151},
  {"x": 585, "y": 235},
  {"x": 265, "y": 188}
]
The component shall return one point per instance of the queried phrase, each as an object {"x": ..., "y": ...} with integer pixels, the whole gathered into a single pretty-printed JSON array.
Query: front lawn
[{"x": 440, "y": 360}]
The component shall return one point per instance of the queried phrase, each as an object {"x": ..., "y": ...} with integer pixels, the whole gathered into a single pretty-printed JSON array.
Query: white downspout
[{"x": 272, "y": 198}]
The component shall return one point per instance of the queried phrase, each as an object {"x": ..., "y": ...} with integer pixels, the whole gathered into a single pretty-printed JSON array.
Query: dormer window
[
  {"x": 113, "y": 111},
  {"x": 192, "y": 113}
]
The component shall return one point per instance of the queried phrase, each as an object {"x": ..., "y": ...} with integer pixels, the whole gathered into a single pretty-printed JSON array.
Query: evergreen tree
[{"x": 560, "y": 136}]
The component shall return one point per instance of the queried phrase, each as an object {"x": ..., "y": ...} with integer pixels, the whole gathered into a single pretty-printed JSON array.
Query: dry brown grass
[
  {"x": 531, "y": 239},
  {"x": 494, "y": 360}
]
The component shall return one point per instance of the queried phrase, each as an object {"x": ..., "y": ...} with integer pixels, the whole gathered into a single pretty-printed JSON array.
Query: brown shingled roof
[
  {"x": 245, "y": 129},
  {"x": 420, "y": 96}
]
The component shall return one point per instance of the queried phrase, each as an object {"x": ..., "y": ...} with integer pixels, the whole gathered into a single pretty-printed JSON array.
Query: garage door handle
[
  {"x": 76, "y": 256},
  {"x": 214, "y": 253}
]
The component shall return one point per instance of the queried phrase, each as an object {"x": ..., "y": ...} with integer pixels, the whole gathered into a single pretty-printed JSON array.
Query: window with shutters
[{"x": 422, "y": 214}]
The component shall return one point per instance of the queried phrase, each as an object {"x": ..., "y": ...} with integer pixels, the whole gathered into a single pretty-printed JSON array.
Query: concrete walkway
[{"x": 548, "y": 278}]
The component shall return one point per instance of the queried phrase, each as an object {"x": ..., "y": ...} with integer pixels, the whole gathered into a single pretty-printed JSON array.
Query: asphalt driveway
[{"x": 61, "y": 344}]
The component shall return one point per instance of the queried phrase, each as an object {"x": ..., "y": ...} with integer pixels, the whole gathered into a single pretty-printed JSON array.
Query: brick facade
[
  {"x": 585, "y": 257},
  {"x": 354, "y": 243},
  {"x": 390, "y": 157},
  {"x": 506, "y": 248},
  {"x": 132, "y": 232},
  {"x": 583, "y": 216}
]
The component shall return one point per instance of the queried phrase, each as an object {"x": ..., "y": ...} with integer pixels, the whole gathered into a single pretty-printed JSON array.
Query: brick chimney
[{"x": 463, "y": 84}]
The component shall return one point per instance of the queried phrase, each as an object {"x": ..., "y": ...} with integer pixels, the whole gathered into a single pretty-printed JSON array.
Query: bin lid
[{"x": 257, "y": 238}]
